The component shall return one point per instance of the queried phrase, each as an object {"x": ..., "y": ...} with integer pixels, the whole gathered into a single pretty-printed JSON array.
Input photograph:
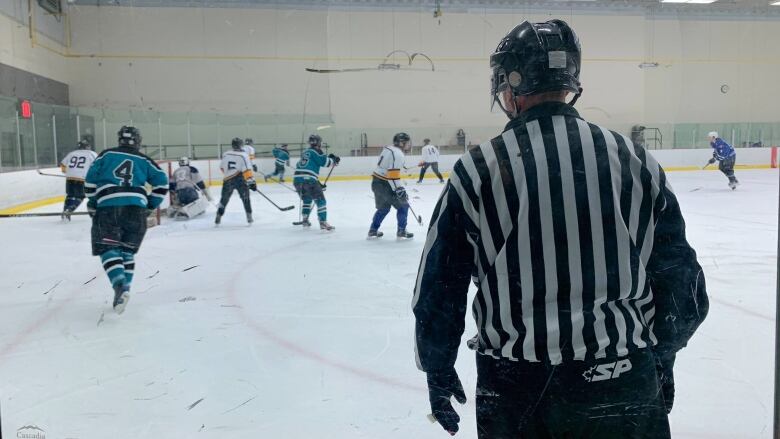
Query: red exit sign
[{"x": 25, "y": 108}]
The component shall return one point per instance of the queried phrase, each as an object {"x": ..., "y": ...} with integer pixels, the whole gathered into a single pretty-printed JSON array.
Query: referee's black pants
[{"x": 618, "y": 399}]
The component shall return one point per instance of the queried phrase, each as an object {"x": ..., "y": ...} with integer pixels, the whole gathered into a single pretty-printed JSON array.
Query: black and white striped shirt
[{"x": 574, "y": 240}]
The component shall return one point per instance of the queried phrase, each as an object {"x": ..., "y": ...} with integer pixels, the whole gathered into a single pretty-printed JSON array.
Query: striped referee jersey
[{"x": 574, "y": 240}]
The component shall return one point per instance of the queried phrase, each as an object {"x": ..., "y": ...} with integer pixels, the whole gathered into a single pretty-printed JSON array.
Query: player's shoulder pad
[{"x": 193, "y": 169}]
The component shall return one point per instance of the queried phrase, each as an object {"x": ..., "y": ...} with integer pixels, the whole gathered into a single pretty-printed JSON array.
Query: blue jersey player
[
  {"x": 726, "y": 157},
  {"x": 119, "y": 205},
  {"x": 282, "y": 158},
  {"x": 307, "y": 183}
]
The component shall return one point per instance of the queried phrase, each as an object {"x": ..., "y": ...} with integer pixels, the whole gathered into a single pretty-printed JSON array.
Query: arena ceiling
[{"x": 730, "y": 8}]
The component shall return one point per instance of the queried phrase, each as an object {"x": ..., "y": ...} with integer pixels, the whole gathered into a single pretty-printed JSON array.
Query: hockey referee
[{"x": 586, "y": 284}]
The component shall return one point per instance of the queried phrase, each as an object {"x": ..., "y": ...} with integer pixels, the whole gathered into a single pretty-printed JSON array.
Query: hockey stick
[
  {"x": 29, "y": 215},
  {"x": 275, "y": 205},
  {"x": 417, "y": 217},
  {"x": 50, "y": 175},
  {"x": 325, "y": 183}
]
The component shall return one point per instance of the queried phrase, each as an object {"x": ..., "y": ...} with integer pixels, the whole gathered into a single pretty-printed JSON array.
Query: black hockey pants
[
  {"x": 434, "y": 166},
  {"x": 617, "y": 399},
  {"x": 726, "y": 166},
  {"x": 228, "y": 186}
]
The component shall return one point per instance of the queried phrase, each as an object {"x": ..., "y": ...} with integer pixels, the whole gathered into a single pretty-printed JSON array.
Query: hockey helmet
[
  {"x": 315, "y": 141},
  {"x": 535, "y": 58},
  {"x": 249, "y": 141},
  {"x": 283, "y": 146},
  {"x": 237, "y": 143},
  {"x": 129, "y": 136},
  {"x": 184, "y": 161},
  {"x": 713, "y": 134},
  {"x": 400, "y": 138},
  {"x": 83, "y": 144}
]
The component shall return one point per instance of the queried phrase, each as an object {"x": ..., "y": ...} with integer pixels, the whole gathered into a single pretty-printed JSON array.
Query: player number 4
[{"x": 124, "y": 172}]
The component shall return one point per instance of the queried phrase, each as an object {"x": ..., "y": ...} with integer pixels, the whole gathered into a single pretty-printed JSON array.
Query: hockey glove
[
  {"x": 664, "y": 365},
  {"x": 711, "y": 161},
  {"x": 336, "y": 159},
  {"x": 254, "y": 167},
  {"x": 91, "y": 208},
  {"x": 441, "y": 387},
  {"x": 401, "y": 194},
  {"x": 252, "y": 185}
]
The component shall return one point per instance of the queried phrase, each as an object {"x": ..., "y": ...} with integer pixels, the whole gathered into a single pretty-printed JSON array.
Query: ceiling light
[
  {"x": 689, "y": 1},
  {"x": 702, "y": 2},
  {"x": 674, "y": 1},
  {"x": 775, "y": 4}
]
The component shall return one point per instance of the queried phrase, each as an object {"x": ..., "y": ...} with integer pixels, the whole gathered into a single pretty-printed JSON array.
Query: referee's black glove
[{"x": 442, "y": 386}]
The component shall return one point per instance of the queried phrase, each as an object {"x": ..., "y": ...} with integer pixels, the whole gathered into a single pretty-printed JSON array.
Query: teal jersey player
[
  {"x": 281, "y": 155},
  {"x": 119, "y": 176},
  {"x": 307, "y": 183},
  {"x": 119, "y": 204}
]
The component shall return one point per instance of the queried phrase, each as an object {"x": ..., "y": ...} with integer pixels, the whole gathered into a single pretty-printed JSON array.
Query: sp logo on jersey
[{"x": 607, "y": 371}]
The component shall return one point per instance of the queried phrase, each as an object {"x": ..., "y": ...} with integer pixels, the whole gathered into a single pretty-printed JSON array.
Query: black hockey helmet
[
  {"x": 283, "y": 146},
  {"x": 535, "y": 58},
  {"x": 315, "y": 141},
  {"x": 249, "y": 141},
  {"x": 237, "y": 143},
  {"x": 83, "y": 144},
  {"x": 129, "y": 136},
  {"x": 400, "y": 138}
]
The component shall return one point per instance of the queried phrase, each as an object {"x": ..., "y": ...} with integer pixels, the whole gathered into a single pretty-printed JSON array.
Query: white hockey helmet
[
  {"x": 713, "y": 134},
  {"x": 184, "y": 161}
]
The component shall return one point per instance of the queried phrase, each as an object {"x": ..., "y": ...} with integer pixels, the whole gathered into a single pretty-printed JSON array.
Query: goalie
[{"x": 186, "y": 189}]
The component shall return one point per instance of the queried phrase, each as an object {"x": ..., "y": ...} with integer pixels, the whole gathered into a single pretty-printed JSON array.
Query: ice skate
[
  {"x": 249, "y": 218},
  {"x": 733, "y": 184},
  {"x": 121, "y": 297},
  {"x": 218, "y": 219},
  {"x": 325, "y": 226},
  {"x": 403, "y": 234},
  {"x": 372, "y": 234}
]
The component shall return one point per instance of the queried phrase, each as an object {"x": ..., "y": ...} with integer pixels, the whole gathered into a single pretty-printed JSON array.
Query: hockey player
[
  {"x": 306, "y": 181},
  {"x": 187, "y": 185},
  {"x": 586, "y": 285},
  {"x": 430, "y": 154},
  {"x": 249, "y": 148},
  {"x": 75, "y": 166},
  {"x": 119, "y": 205},
  {"x": 237, "y": 168},
  {"x": 388, "y": 188},
  {"x": 282, "y": 156},
  {"x": 726, "y": 157}
]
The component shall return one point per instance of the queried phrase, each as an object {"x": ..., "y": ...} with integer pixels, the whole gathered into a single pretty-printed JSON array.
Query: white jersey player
[
  {"x": 249, "y": 148},
  {"x": 75, "y": 166},
  {"x": 388, "y": 188},
  {"x": 430, "y": 158},
  {"x": 237, "y": 169},
  {"x": 186, "y": 186}
]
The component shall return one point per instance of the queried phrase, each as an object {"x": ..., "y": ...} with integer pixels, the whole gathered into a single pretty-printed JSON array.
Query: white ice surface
[{"x": 312, "y": 332}]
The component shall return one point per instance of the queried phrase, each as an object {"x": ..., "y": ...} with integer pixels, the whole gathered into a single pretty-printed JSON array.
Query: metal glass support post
[
  {"x": 78, "y": 128},
  {"x": 189, "y": 139},
  {"x": 219, "y": 138},
  {"x": 54, "y": 137},
  {"x": 18, "y": 140},
  {"x": 105, "y": 139},
  {"x": 35, "y": 140},
  {"x": 159, "y": 137},
  {"x": 776, "y": 434}
]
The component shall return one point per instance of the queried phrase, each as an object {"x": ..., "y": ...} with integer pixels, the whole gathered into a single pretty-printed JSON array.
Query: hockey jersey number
[
  {"x": 77, "y": 162},
  {"x": 124, "y": 172}
]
